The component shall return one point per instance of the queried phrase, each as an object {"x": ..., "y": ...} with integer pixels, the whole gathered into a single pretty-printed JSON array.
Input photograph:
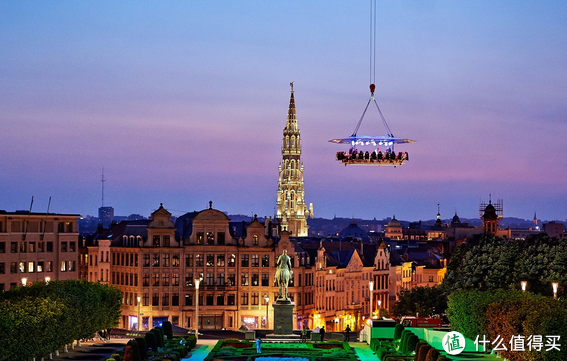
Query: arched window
[
  {"x": 293, "y": 141},
  {"x": 287, "y": 141}
]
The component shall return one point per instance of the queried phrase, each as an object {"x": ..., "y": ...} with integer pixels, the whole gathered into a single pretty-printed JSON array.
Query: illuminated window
[
  {"x": 210, "y": 238},
  {"x": 210, "y": 260}
]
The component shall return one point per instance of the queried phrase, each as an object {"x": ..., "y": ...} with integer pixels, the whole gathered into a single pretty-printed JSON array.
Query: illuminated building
[
  {"x": 37, "y": 246},
  {"x": 292, "y": 210}
]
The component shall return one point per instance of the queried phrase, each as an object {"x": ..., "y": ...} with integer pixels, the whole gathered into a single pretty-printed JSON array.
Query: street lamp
[
  {"x": 371, "y": 288},
  {"x": 138, "y": 298},
  {"x": 554, "y": 285},
  {"x": 524, "y": 284},
  {"x": 47, "y": 279},
  {"x": 267, "y": 310},
  {"x": 24, "y": 281},
  {"x": 379, "y": 307},
  {"x": 197, "y": 281}
]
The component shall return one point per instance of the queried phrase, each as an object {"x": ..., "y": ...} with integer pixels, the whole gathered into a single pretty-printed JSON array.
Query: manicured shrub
[
  {"x": 432, "y": 355},
  {"x": 128, "y": 354},
  {"x": 116, "y": 357},
  {"x": 417, "y": 350},
  {"x": 182, "y": 350},
  {"x": 412, "y": 340},
  {"x": 167, "y": 329},
  {"x": 135, "y": 350},
  {"x": 398, "y": 331},
  {"x": 160, "y": 335},
  {"x": 151, "y": 342},
  {"x": 421, "y": 350},
  {"x": 404, "y": 341},
  {"x": 374, "y": 344},
  {"x": 142, "y": 347},
  {"x": 191, "y": 341},
  {"x": 466, "y": 310},
  {"x": 158, "y": 332},
  {"x": 381, "y": 352}
]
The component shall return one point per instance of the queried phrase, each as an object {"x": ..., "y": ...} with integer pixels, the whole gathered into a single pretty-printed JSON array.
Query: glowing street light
[
  {"x": 197, "y": 281},
  {"x": 371, "y": 288},
  {"x": 267, "y": 310},
  {"x": 139, "y": 299},
  {"x": 524, "y": 284},
  {"x": 47, "y": 279},
  {"x": 24, "y": 281},
  {"x": 555, "y": 285}
]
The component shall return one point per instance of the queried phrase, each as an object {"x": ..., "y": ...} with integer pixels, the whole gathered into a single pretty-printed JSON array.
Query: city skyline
[{"x": 185, "y": 103}]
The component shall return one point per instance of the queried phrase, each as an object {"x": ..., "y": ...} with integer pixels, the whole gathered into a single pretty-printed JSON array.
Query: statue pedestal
[{"x": 283, "y": 317}]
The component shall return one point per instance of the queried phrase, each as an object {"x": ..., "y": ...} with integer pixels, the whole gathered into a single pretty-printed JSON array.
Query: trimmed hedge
[
  {"x": 142, "y": 347},
  {"x": 167, "y": 329},
  {"x": 421, "y": 350},
  {"x": 398, "y": 331},
  {"x": 432, "y": 355},
  {"x": 510, "y": 313},
  {"x": 151, "y": 342}
]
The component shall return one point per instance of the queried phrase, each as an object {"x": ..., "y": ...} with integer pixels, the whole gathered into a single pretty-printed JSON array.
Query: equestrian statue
[{"x": 283, "y": 275}]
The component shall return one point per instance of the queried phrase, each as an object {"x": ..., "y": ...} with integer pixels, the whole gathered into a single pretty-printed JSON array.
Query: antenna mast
[{"x": 102, "y": 181}]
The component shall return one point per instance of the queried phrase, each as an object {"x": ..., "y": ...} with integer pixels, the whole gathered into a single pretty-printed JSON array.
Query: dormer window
[
  {"x": 255, "y": 240},
  {"x": 210, "y": 238}
]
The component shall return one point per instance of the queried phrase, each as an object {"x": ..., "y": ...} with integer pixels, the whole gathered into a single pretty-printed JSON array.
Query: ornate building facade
[{"x": 292, "y": 211}]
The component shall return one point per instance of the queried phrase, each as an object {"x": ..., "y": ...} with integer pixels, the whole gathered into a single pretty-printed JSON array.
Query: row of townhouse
[{"x": 155, "y": 264}]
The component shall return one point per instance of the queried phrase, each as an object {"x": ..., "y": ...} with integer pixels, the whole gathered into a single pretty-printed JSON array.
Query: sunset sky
[{"x": 183, "y": 102}]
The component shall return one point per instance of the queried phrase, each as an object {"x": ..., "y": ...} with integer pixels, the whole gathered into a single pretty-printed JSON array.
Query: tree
[
  {"x": 486, "y": 263},
  {"x": 427, "y": 301}
]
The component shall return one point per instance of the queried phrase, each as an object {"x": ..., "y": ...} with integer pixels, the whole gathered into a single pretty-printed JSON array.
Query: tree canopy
[
  {"x": 486, "y": 262},
  {"x": 40, "y": 318}
]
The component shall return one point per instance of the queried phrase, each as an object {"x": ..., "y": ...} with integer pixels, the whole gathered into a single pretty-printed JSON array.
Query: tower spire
[{"x": 291, "y": 208}]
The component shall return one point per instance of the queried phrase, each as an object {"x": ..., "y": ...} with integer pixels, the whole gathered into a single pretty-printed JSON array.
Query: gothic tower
[{"x": 292, "y": 210}]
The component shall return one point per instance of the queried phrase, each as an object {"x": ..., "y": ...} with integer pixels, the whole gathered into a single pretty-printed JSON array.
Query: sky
[{"x": 184, "y": 102}]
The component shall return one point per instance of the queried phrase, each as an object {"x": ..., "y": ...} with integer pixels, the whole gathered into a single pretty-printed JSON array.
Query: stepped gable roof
[{"x": 184, "y": 225}]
